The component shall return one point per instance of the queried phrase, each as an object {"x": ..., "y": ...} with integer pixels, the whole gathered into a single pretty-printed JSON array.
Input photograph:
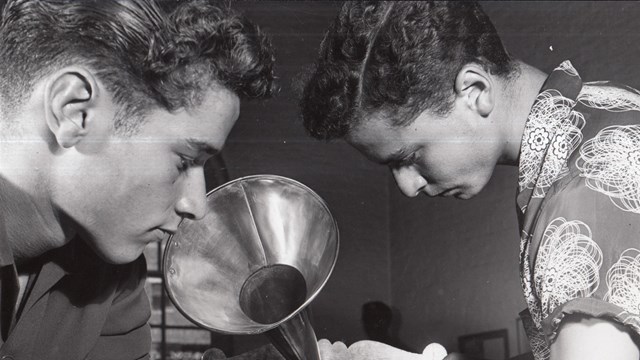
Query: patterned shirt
[{"x": 579, "y": 206}]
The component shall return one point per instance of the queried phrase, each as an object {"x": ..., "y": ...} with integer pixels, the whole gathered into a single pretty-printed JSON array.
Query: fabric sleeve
[{"x": 586, "y": 258}]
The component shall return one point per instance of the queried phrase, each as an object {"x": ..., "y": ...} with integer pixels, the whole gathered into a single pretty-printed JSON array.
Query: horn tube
[{"x": 261, "y": 254}]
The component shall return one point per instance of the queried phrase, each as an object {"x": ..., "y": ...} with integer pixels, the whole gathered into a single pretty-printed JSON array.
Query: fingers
[
  {"x": 336, "y": 351},
  {"x": 434, "y": 351},
  {"x": 213, "y": 354},
  {"x": 373, "y": 350}
]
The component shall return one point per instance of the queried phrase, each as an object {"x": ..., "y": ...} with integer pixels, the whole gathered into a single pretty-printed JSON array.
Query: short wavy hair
[
  {"x": 148, "y": 53},
  {"x": 398, "y": 58}
]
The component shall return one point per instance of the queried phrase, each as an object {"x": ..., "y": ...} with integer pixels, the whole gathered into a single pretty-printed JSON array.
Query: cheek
[
  {"x": 437, "y": 162},
  {"x": 465, "y": 156},
  {"x": 452, "y": 162},
  {"x": 143, "y": 187},
  {"x": 135, "y": 206},
  {"x": 140, "y": 177}
]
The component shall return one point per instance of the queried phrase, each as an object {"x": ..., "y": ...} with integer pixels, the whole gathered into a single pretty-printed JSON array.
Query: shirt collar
[
  {"x": 6, "y": 255},
  {"x": 69, "y": 259},
  {"x": 551, "y": 122}
]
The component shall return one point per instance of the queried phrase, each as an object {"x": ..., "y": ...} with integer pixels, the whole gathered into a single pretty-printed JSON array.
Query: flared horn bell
[{"x": 261, "y": 254}]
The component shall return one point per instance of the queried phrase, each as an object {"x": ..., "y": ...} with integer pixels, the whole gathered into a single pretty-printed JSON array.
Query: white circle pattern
[
  {"x": 599, "y": 95},
  {"x": 610, "y": 164},
  {"x": 551, "y": 121},
  {"x": 568, "y": 261},
  {"x": 567, "y": 68},
  {"x": 623, "y": 282},
  {"x": 567, "y": 265}
]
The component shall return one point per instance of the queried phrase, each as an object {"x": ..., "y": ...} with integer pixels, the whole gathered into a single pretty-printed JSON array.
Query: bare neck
[
  {"x": 32, "y": 223},
  {"x": 518, "y": 98}
]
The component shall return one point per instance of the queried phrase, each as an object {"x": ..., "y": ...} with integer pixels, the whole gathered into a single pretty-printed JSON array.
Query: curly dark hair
[
  {"x": 398, "y": 58},
  {"x": 149, "y": 54}
]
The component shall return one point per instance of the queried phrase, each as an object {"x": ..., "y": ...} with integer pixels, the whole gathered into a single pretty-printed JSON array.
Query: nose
[
  {"x": 192, "y": 200},
  {"x": 409, "y": 180}
]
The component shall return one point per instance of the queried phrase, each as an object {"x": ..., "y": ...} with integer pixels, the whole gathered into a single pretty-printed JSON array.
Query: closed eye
[
  {"x": 186, "y": 163},
  {"x": 409, "y": 159}
]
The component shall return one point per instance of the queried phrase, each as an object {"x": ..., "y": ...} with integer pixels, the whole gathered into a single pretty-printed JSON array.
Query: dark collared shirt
[
  {"x": 78, "y": 307},
  {"x": 9, "y": 285}
]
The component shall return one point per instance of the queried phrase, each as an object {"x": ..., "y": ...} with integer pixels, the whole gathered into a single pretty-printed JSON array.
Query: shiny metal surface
[{"x": 253, "y": 224}]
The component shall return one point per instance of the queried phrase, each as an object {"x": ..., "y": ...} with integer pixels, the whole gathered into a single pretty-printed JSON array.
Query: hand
[
  {"x": 336, "y": 351},
  {"x": 213, "y": 354},
  {"x": 458, "y": 356},
  {"x": 264, "y": 352},
  {"x": 365, "y": 350}
]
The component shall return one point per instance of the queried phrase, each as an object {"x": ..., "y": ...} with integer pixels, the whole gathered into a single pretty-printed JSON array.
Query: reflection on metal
[{"x": 262, "y": 253}]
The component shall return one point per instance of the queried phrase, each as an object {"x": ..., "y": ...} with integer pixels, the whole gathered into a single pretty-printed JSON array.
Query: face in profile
[
  {"x": 133, "y": 190},
  {"x": 452, "y": 155}
]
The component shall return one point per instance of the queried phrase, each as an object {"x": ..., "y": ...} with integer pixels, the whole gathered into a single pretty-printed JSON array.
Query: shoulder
[{"x": 608, "y": 103}]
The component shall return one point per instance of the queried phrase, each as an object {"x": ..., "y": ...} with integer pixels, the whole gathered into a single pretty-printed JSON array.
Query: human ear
[
  {"x": 474, "y": 86},
  {"x": 69, "y": 96}
]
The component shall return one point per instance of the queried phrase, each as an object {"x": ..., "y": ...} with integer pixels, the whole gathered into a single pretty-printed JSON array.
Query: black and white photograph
[{"x": 319, "y": 180}]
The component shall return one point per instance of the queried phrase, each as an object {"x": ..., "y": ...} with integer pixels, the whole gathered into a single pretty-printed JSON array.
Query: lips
[
  {"x": 449, "y": 192},
  {"x": 169, "y": 231},
  {"x": 162, "y": 234},
  {"x": 446, "y": 193},
  {"x": 456, "y": 192}
]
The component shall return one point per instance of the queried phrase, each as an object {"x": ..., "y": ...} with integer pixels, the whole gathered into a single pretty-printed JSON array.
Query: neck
[
  {"x": 32, "y": 223},
  {"x": 520, "y": 94}
]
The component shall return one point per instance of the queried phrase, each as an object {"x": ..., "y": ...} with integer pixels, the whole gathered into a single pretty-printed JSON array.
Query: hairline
[
  {"x": 132, "y": 126},
  {"x": 387, "y": 112}
]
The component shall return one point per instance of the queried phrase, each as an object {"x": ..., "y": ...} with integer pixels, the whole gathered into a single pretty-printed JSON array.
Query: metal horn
[{"x": 265, "y": 249}]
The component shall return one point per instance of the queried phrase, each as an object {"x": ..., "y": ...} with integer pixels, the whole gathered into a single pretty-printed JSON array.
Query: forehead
[
  {"x": 378, "y": 140},
  {"x": 204, "y": 126}
]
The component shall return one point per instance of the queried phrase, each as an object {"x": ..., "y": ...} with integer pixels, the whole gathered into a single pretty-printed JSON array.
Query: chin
[
  {"x": 464, "y": 196},
  {"x": 472, "y": 189},
  {"x": 467, "y": 194},
  {"x": 122, "y": 260},
  {"x": 129, "y": 257},
  {"x": 119, "y": 257},
  {"x": 114, "y": 248}
]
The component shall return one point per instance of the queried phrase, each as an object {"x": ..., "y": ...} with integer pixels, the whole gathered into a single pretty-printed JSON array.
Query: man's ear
[
  {"x": 69, "y": 97},
  {"x": 474, "y": 86}
]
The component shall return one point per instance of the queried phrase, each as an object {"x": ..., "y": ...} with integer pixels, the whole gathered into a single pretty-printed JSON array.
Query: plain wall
[
  {"x": 447, "y": 267},
  {"x": 269, "y": 139}
]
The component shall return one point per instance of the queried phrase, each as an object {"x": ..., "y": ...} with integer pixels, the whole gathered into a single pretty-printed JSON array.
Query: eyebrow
[
  {"x": 202, "y": 146},
  {"x": 397, "y": 156}
]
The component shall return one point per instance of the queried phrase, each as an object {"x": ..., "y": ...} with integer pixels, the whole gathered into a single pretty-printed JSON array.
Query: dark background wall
[
  {"x": 447, "y": 267},
  {"x": 269, "y": 138}
]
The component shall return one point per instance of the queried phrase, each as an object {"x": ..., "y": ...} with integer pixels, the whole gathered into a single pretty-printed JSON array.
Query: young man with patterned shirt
[{"x": 427, "y": 89}]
